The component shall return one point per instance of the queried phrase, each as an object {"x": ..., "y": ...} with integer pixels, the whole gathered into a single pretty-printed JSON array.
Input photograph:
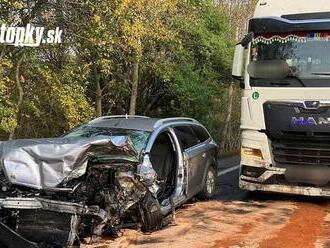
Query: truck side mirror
[{"x": 237, "y": 71}]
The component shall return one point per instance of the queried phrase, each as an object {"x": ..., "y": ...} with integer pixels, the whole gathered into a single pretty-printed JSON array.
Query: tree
[
  {"x": 153, "y": 57},
  {"x": 139, "y": 22},
  {"x": 239, "y": 13},
  {"x": 113, "y": 38},
  {"x": 202, "y": 62},
  {"x": 34, "y": 84}
]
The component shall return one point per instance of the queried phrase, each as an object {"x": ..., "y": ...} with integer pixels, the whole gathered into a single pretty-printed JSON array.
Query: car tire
[
  {"x": 209, "y": 187},
  {"x": 151, "y": 215}
]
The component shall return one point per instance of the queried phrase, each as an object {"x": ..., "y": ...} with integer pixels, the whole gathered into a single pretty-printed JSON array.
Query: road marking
[{"x": 226, "y": 171}]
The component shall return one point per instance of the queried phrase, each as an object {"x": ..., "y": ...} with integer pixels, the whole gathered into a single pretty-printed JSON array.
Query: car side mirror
[
  {"x": 247, "y": 39},
  {"x": 237, "y": 71}
]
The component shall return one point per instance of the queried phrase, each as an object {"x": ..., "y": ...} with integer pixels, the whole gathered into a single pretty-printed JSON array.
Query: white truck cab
[{"x": 284, "y": 66}]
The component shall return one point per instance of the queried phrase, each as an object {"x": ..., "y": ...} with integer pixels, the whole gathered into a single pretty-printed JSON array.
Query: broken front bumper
[{"x": 51, "y": 205}]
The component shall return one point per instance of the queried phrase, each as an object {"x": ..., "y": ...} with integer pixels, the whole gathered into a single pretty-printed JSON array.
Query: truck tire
[
  {"x": 151, "y": 215},
  {"x": 209, "y": 186}
]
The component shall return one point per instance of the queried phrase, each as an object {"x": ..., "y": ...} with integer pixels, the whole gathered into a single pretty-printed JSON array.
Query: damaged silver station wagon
[{"x": 114, "y": 171}]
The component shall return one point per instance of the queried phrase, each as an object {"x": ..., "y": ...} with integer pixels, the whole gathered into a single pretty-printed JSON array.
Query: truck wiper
[
  {"x": 280, "y": 83},
  {"x": 297, "y": 79},
  {"x": 321, "y": 73},
  {"x": 287, "y": 83}
]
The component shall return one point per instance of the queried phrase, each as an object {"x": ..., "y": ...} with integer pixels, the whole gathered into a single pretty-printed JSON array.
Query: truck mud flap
[{"x": 11, "y": 239}]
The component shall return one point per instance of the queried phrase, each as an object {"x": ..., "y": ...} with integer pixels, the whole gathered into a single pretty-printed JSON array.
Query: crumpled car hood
[{"x": 45, "y": 163}]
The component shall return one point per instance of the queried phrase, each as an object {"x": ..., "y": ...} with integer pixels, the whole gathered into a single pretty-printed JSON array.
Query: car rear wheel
[{"x": 209, "y": 188}]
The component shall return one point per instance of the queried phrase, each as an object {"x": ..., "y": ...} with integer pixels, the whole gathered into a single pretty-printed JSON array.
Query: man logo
[
  {"x": 309, "y": 121},
  {"x": 302, "y": 121}
]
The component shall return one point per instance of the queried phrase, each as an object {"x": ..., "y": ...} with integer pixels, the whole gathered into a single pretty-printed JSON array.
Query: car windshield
[
  {"x": 139, "y": 138},
  {"x": 305, "y": 53}
]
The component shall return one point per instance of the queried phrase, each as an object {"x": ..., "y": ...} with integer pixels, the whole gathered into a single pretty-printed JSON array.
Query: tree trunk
[
  {"x": 20, "y": 96},
  {"x": 98, "y": 95},
  {"x": 135, "y": 85},
  {"x": 98, "y": 89},
  {"x": 224, "y": 134}
]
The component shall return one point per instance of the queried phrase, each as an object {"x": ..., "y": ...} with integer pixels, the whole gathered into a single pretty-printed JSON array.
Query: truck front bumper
[
  {"x": 286, "y": 189},
  {"x": 272, "y": 179}
]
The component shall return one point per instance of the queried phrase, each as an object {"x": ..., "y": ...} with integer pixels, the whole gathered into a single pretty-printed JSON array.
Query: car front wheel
[{"x": 209, "y": 188}]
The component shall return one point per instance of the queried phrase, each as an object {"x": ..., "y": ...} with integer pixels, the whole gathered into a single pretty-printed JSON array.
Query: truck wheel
[
  {"x": 151, "y": 215},
  {"x": 209, "y": 188}
]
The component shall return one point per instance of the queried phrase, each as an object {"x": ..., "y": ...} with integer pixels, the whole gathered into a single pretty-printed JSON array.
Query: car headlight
[{"x": 251, "y": 153}]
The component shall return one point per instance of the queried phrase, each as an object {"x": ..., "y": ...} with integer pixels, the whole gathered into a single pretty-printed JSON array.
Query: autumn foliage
[{"x": 148, "y": 57}]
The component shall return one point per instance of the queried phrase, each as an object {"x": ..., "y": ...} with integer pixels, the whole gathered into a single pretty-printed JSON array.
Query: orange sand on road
[
  {"x": 306, "y": 226},
  {"x": 212, "y": 224},
  {"x": 250, "y": 224}
]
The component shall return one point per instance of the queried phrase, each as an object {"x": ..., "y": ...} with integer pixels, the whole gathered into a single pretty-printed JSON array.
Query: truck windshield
[{"x": 306, "y": 54}]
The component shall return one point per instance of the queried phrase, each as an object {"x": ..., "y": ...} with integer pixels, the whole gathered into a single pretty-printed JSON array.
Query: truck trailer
[{"x": 283, "y": 64}]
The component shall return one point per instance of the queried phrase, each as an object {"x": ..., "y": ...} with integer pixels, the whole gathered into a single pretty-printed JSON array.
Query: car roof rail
[
  {"x": 173, "y": 120},
  {"x": 117, "y": 117}
]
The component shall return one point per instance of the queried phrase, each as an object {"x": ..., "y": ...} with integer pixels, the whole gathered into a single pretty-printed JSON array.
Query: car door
[{"x": 194, "y": 157}]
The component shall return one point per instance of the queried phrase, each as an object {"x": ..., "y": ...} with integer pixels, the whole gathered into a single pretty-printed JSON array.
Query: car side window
[
  {"x": 201, "y": 133},
  {"x": 186, "y": 136}
]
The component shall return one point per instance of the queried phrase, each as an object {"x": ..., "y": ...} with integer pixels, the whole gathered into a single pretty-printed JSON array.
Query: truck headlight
[{"x": 251, "y": 153}]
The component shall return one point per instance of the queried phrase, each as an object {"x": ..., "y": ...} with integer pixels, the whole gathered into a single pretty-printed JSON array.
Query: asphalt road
[{"x": 235, "y": 218}]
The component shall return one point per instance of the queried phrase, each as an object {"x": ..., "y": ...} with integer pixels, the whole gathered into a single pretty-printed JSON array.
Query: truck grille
[{"x": 288, "y": 152}]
